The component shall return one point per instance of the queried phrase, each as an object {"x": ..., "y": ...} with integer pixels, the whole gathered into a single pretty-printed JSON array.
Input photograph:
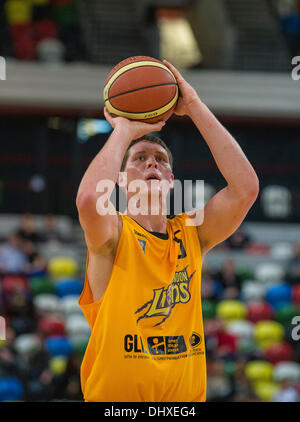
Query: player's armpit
[{"x": 222, "y": 216}]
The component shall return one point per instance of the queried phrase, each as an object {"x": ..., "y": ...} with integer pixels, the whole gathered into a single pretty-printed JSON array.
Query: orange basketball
[{"x": 141, "y": 88}]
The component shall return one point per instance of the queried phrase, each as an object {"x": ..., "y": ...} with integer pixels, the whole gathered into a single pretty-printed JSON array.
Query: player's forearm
[
  {"x": 228, "y": 155},
  {"x": 107, "y": 163}
]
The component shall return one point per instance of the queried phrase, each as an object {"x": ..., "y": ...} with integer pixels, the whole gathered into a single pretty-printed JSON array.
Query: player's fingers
[
  {"x": 107, "y": 115},
  {"x": 176, "y": 72}
]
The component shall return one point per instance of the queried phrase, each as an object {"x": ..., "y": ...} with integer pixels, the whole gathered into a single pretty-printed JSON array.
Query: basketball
[{"x": 141, "y": 88}]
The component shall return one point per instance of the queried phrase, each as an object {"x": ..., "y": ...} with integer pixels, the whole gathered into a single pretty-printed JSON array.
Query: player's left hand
[{"x": 187, "y": 94}]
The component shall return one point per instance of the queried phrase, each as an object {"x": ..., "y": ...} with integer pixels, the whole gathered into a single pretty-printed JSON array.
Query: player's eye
[{"x": 140, "y": 157}]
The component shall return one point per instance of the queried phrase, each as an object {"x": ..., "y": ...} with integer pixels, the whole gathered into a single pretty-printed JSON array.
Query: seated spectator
[
  {"x": 218, "y": 385},
  {"x": 27, "y": 230},
  {"x": 35, "y": 261},
  {"x": 293, "y": 266},
  {"x": 242, "y": 391},
  {"x": 50, "y": 231},
  {"x": 12, "y": 257},
  {"x": 239, "y": 240},
  {"x": 230, "y": 281}
]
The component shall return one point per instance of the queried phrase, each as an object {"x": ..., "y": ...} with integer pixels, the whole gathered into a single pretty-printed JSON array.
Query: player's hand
[
  {"x": 187, "y": 94},
  {"x": 134, "y": 128}
]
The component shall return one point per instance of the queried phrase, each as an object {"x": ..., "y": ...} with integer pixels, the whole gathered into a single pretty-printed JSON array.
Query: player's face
[{"x": 148, "y": 161}]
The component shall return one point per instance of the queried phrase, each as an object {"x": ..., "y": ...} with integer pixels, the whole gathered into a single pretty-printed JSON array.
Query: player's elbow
[
  {"x": 84, "y": 200},
  {"x": 251, "y": 190}
]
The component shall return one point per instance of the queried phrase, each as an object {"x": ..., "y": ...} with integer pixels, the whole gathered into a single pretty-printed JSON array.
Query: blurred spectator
[
  {"x": 293, "y": 266},
  {"x": 12, "y": 257},
  {"x": 230, "y": 281},
  {"x": 27, "y": 230},
  {"x": 239, "y": 240},
  {"x": 209, "y": 287},
  {"x": 242, "y": 390},
  {"x": 287, "y": 393},
  {"x": 68, "y": 386},
  {"x": 218, "y": 385},
  {"x": 35, "y": 261},
  {"x": 50, "y": 231}
]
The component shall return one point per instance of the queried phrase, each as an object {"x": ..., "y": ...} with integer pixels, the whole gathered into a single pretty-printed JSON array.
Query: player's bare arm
[
  {"x": 223, "y": 213},
  {"x": 99, "y": 226},
  {"x": 102, "y": 230}
]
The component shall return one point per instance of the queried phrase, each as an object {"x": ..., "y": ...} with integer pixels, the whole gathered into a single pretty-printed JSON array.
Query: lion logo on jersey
[{"x": 164, "y": 300}]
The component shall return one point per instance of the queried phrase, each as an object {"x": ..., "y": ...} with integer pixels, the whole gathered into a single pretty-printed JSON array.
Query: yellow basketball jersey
[{"x": 147, "y": 340}]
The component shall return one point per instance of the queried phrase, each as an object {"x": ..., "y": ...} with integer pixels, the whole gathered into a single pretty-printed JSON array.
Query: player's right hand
[{"x": 133, "y": 128}]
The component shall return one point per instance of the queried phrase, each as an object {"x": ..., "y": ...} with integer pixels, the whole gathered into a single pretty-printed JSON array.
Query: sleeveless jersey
[{"x": 147, "y": 340}]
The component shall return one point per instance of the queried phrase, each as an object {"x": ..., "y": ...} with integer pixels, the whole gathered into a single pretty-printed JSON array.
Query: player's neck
[{"x": 152, "y": 223}]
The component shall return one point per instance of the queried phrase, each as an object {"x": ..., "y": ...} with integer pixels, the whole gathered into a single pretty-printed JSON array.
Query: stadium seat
[
  {"x": 11, "y": 389},
  {"x": 58, "y": 346},
  {"x": 45, "y": 29},
  {"x": 265, "y": 390},
  {"x": 58, "y": 365},
  {"x": 282, "y": 250},
  {"x": 51, "y": 325},
  {"x": 27, "y": 343},
  {"x": 279, "y": 352},
  {"x": 259, "y": 370},
  {"x": 39, "y": 2},
  {"x": 69, "y": 305},
  {"x": 77, "y": 325},
  {"x": 259, "y": 311},
  {"x": 46, "y": 304},
  {"x": 296, "y": 294},
  {"x": 18, "y": 12},
  {"x": 287, "y": 371},
  {"x": 252, "y": 291},
  {"x": 279, "y": 295},
  {"x": 269, "y": 272},
  {"x": 285, "y": 313},
  {"x": 267, "y": 333},
  {"x": 231, "y": 310},
  {"x": 70, "y": 287},
  {"x": 243, "y": 330},
  {"x": 208, "y": 309},
  {"x": 40, "y": 285},
  {"x": 62, "y": 267},
  {"x": 65, "y": 14}
]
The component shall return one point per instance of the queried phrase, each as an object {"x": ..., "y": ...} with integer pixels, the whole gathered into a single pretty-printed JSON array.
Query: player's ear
[
  {"x": 122, "y": 179},
  {"x": 171, "y": 181}
]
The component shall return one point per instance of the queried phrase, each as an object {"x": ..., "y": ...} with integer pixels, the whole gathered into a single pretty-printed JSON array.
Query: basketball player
[{"x": 143, "y": 276}]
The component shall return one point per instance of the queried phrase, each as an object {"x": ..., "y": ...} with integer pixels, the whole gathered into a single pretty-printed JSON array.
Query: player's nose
[{"x": 151, "y": 162}]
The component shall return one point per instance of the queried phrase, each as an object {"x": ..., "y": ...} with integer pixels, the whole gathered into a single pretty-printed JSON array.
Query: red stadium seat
[
  {"x": 45, "y": 29},
  {"x": 296, "y": 294},
  {"x": 259, "y": 311},
  {"x": 51, "y": 325},
  {"x": 12, "y": 283},
  {"x": 279, "y": 353}
]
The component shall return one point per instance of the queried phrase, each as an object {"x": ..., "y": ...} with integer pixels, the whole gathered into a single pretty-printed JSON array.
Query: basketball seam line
[
  {"x": 139, "y": 89},
  {"x": 146, "y": 112},
  {"x": 130, "y": 69}
]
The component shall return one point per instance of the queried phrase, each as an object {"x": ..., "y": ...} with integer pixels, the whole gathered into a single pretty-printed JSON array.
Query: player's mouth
[{"x": 153, "y": 176}]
